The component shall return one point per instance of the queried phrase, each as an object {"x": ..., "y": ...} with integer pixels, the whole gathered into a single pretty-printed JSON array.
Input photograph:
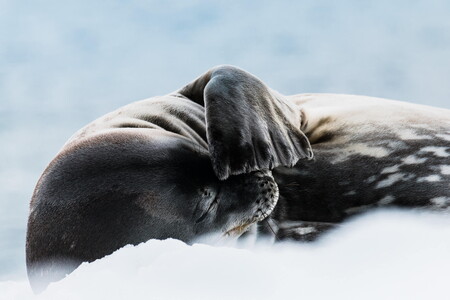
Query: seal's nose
[
  {"x": 267, "y": 195},
  {"x": 263, "y": 190},
  {"x": 268, "y": 189}
]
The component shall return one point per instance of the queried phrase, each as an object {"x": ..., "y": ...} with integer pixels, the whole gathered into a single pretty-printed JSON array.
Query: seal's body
[
  {"x": 215, "y": 157},
  {"x": 368, "y": 153}
]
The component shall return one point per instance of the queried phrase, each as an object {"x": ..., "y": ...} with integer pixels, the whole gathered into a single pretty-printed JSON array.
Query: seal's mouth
[
  {"x": 261, "y": 214},
  {"x": 238, "y": 230}
]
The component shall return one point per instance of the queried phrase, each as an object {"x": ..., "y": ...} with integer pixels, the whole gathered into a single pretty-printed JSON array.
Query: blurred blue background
[{"x": 65, "y": 63}]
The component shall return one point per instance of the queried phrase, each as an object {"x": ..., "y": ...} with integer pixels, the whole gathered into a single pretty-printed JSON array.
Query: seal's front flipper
[{"x": 249, "y": 126}]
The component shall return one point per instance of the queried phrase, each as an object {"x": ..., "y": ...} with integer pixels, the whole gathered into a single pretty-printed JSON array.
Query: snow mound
[{"x": 384, "y": 255}]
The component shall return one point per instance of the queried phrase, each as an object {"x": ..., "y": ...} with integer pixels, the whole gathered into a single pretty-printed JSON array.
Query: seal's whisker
[{"x": 273, "y": 231}]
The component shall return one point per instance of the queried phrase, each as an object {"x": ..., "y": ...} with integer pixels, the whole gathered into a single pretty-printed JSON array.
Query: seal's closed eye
[{"x": 207, "y": 204}]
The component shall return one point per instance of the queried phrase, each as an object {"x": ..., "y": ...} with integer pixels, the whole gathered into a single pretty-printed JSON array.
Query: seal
[
  {"x": 165, "y": 167},
  {"x": 226, "y": 153}
]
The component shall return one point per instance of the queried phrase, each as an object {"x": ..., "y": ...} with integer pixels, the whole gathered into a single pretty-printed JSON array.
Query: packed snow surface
[{"x": 384, "y": 255}]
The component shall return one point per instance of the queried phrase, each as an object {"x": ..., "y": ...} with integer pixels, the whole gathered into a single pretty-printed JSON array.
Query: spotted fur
[{"x": 368, "y": 153}]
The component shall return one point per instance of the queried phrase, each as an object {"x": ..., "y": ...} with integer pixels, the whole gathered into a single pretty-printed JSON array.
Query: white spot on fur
[
  {"x": 371, "y": 179},
  {"x": 305, "y": 230},
  {"x": 395, "y": 145},
  {"x": 409, "y": 134},
  {"x": 409, "y": 177},
  {"x": 388, "y": 199},
  {"x": 440, "y": 201},
  {"x": 431, "y": 178},
  {"x": 444, "y": 136},
  {"x": 412, "y": 160},
  {"x": 392, "y": 169},
  {"x": 364, "y": 149},
  {"x": 361, "y": 149},
  {"x": 393, "y": 178},
  {"x": 353, "y": 192},
  {"x": 424, "y": 126},
  {"x": 437, "y": 151},
  {"x": 445, "y": 169}
]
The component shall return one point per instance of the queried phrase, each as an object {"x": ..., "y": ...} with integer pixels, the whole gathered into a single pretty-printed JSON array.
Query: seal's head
[
  {"x": 191, "y": 202},
  {"x": 236, "y": 203},
  {"x": 122, "y": 187}
]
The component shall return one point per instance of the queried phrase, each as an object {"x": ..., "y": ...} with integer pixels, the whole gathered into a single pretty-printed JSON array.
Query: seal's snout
[
  {"x": 267, "y": 195},
  {"x": 257, "y": 193},
  {"x": 268, "y": 189},
  {"x": 264, "y": 190}
]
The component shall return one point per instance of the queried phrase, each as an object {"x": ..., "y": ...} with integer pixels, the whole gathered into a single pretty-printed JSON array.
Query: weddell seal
[{"x": 223, "y": 154}]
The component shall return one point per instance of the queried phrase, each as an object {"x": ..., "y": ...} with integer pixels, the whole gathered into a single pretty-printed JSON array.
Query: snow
[{"x": 384, "y": 255}]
